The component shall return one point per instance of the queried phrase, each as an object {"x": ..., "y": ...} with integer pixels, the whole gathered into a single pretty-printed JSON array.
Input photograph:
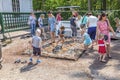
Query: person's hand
[
  {"x": 114, "y": 35},
  {"x": 96, "y": 41}
]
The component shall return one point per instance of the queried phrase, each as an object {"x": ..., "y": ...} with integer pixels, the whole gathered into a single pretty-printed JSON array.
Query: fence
[
  {"x": 15, "y": 21},
  {"x": 18, "y": 21}
]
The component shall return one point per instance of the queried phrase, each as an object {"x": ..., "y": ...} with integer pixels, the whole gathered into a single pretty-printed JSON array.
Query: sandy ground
[{"x": 86, "y": 68}]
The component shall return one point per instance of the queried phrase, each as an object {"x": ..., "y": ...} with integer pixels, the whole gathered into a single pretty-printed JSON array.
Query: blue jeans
[{"x": 33, "y": 28}]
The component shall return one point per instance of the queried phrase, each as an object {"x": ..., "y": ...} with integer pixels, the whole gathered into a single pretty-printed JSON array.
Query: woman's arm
[
  {"x": 110, "y": 28},
  {"x": 88, "y": 23},
  {"x": 97, "y": 32}
]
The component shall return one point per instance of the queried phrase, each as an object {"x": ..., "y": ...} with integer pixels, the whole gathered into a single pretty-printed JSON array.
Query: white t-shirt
[
  {"x": 78, "y": 22},
  {"x": 92, "y": 20},
  {"x": 36, "y": 41}
]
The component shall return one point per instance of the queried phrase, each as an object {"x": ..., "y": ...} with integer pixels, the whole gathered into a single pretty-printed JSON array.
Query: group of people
[
  {"x": 92, "y": 29},
  {"x": 99, "y": 31},
  {"x": 36, "y": 33}
]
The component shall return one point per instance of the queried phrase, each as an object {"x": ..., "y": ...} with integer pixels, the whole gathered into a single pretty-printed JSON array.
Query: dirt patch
[{"x": 86, "y": 68}]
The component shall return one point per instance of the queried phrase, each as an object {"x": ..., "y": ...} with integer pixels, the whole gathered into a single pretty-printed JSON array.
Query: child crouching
[
  {"x": 37, "y": 45},
  {"x": 85, "y": 38},
  {"x": 61, "y": 35}
]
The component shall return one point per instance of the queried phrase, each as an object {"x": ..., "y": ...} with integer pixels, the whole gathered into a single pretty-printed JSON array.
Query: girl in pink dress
[{"x": 104, "y": 27}]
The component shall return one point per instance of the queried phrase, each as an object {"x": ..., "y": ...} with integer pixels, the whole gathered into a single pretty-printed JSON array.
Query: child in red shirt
[{"x": 102, "y": 47}]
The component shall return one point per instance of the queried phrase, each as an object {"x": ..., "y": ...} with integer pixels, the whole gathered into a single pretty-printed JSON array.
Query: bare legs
[
  {"x": 61, "y": 39},
  {"x": 108, "y": 50},
  {"x": 52, "y": 34},
  {"x": 102, "y": 57}
]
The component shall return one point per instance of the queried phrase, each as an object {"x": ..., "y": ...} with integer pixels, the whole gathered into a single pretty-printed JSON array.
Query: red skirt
[{"x": 102, "y": 49}]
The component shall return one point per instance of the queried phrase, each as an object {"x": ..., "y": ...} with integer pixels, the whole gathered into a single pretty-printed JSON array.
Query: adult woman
[
  {"x": 104, "y": 27},
  {"x": 117, "y": 21},
  {"x": 41, "y": 26},
  {"x": 32, "y": 23},
  {"x": 58, "y": 19},
  {"x": 73, "y": 25},
  {"x": 51, "y": 24}
]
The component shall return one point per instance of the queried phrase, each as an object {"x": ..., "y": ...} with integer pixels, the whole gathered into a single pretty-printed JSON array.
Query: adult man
[{"x": 92, "y": 24}]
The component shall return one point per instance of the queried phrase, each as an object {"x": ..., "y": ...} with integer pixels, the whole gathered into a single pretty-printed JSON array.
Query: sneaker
[
  {"x": 30, "y": 60},
  {"x": 38, "y": 61},
  {"x": 17, "y": 61}
]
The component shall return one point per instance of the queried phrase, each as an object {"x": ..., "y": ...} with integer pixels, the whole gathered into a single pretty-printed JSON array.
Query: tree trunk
[
  {"x": 89, "y": 5},
  {"x": 104, "y": 5}
]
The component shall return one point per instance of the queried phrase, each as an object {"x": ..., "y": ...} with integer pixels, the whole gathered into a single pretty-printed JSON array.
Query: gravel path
[{"x": 86, "y": 68}]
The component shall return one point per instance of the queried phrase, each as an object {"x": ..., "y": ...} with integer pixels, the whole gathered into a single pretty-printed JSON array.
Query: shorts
[
  {"x": 52, "y": 28},
  {"x": 92, "y": 32},
  {"x": 37, "y": 51}
]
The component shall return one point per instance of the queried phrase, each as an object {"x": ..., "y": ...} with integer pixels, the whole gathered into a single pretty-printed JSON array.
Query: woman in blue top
[
  {"x": 51, "y": 24},
  {"x": 32, "y": 21}
]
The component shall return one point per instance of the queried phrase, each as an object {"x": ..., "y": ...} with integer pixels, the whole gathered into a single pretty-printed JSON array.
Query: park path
[{"x": 86, "y": 68}]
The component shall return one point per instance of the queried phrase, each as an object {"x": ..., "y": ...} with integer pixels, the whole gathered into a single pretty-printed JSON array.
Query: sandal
[
  {"x": 103, "y": 61},
  {"x": 109, "y": 56}
]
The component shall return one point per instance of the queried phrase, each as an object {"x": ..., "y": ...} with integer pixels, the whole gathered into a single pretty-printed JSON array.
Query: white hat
[{"x": 38, "y": 31}]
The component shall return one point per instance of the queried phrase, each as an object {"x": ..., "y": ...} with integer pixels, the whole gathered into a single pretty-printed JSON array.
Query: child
[
  {"x": 102, "y": 48},
  {"x": 61, "y": 35},
  {"x": 40, "y": 23},
  {"x": 117, "y": 20},
  {"x": 36, "y": 44},
  {"x": 85, "y": 38}
]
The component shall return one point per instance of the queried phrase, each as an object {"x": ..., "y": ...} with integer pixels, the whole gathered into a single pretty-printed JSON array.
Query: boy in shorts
[{"x": 36, "y": 45}]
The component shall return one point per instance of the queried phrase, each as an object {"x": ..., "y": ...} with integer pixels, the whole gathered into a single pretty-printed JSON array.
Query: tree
[{"x": 95, "y": 4}]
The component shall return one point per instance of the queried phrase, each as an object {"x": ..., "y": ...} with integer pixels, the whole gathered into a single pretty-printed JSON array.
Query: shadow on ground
[
  {"x": 97, "y": 65},
  {"x": 28, "y": 67},
  {"x": 81, "y": 75}
]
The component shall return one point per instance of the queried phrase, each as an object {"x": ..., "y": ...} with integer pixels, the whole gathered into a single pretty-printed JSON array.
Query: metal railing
[
  {"x": 18, "y": 21},
  {"x": 13, "y": 21}
]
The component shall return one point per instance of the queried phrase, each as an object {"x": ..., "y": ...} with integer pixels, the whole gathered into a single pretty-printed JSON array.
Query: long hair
[{"x": 102, "y": 15}]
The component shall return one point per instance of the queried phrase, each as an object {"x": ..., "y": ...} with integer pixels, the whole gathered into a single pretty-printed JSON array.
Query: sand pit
[{"x": 70, "y": 50}]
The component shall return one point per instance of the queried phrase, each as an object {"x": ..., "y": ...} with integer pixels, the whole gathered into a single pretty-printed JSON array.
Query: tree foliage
[{"x": 95, "y": 4}]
